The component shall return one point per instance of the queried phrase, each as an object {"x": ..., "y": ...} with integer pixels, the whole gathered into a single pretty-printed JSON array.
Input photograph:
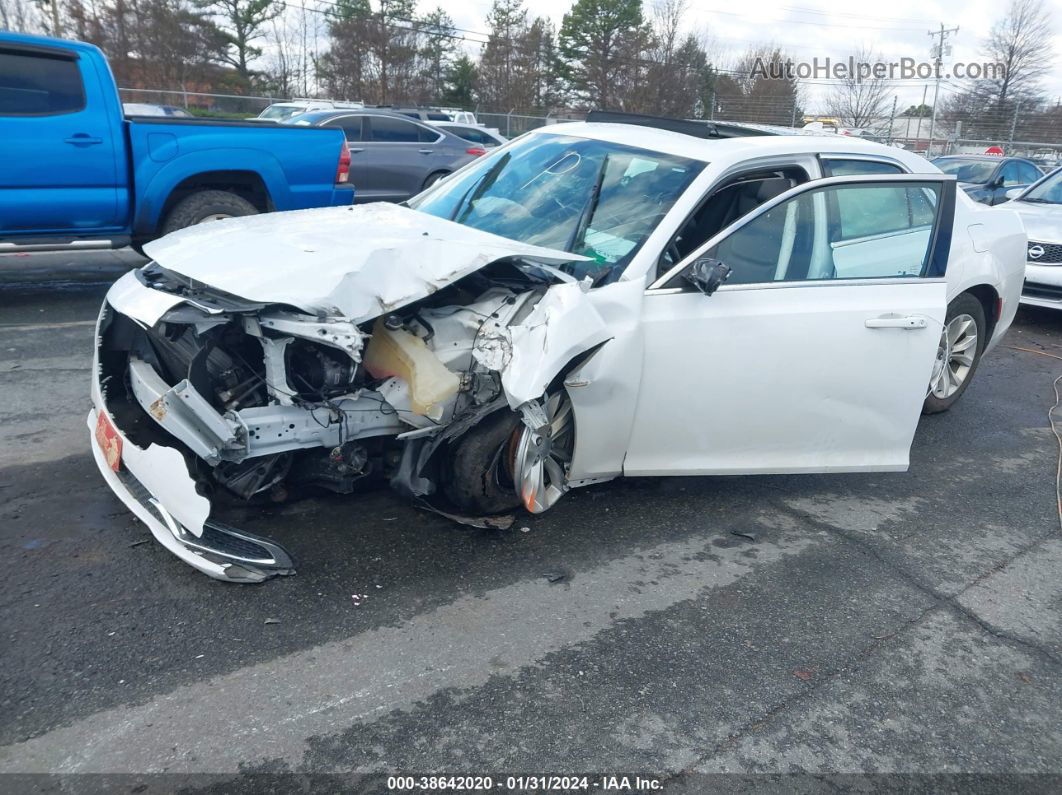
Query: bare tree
[
  {"x": 858, "y": 101},
  {"x": 1021, "y": 43},
  {"x": 21, "y": 16}
]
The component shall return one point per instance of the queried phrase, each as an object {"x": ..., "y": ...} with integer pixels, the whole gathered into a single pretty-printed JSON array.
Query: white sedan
[
  {"x": 627, "y": 296},
  {"x": 1040, "y": 208}
]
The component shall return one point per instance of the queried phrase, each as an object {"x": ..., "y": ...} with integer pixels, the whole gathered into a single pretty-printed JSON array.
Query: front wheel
[
  {"x": 502, "y": 464},
  {"x": 962, "y": 340}
]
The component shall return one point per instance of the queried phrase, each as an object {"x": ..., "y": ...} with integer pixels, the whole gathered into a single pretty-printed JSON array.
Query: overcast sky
[{"x": 823, "y": 28}]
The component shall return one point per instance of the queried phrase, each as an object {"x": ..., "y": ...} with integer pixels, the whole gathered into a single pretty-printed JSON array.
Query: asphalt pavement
[{"x": 676, "y": 628}]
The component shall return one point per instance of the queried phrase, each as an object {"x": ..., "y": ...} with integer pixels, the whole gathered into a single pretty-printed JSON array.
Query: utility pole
[
  {"x": 892, "y": 120},
  {"x": 938, "y": 52}
]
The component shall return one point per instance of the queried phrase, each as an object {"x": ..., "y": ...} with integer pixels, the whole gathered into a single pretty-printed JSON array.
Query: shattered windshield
[{"x": 594, "y": 198}]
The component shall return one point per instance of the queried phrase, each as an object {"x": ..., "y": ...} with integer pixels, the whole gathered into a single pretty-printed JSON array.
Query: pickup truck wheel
[
  {"x": 204, "y": 206},
  {"x": 962, "y": 340}
]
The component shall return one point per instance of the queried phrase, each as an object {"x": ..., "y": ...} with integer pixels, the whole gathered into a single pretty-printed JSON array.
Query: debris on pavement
[{"x": 742, "y": 534}]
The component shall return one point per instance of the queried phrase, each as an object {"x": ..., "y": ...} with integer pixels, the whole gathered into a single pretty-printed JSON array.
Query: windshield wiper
[
  {"x": 480, "y": 188},
  {"x": 579, "y": 233}
]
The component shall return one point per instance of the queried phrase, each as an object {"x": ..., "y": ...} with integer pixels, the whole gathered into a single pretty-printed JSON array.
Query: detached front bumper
[{"x": 155, "y": 484}]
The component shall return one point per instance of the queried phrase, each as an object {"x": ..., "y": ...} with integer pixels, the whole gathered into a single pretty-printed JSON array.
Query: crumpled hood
[
  {"x": 1043, "y": 222},
  {"x": 360, "y": 261}
]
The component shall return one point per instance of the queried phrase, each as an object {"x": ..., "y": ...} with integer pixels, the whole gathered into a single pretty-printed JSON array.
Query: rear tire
[
  {"x": 962, "y": 342},
  {"x": 205, "y": 206},
  {"x": 432, "y": 179}
]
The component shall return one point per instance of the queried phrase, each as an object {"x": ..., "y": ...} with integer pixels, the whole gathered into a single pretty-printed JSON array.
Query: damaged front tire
[{"x": 503, "y": 463}]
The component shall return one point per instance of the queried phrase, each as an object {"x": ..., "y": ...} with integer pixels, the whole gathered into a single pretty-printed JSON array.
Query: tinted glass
[
  {"x": 32, "y": 85},
  {"x": 851, "y": 168},
  {"x": 351, "y": 126},
  {"x": 428, "y": 135},
  {"x": 595, "y": 198},
  {"x": 1028, "y": 173},
  {"x": 473, "y": 135},
  {"x": 388, "y": 130},
  {"x": 871, "y": 231},
  {"x": 974, "y": 171}
]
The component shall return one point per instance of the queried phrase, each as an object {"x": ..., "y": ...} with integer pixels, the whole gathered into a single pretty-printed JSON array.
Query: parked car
[
  {"x": 393, "y": 157},
  {"x": 626, "y": 296},
  {"x": 78, "y": 174},
  {"x": 486, "y": 137},
  {"x": 987, "y": 178},
  {"x": 1040, "y": 208},
  {"x": 282, "y": 111},
  {"x": 147, "y": 109}
]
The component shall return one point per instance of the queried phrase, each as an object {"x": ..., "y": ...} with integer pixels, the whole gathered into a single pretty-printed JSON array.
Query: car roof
[
  {"x": 993, "y": 158},
  {"x": 331, "y": 113},
  {"x": 739, "y": 148}
]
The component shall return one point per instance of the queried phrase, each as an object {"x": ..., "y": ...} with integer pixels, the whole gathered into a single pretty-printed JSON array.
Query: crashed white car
[{"x": 617, "y": 297}]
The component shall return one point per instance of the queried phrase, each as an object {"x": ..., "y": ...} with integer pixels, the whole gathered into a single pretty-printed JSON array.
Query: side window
[
  {"x": 394, "y": 131},
  {"x": 724, "y": 204},
  {"x": 1011, "y": 175},
  {"x": 851, "y": 168},
  {"x": 39, "y": 85},
  {"x": 1028, "y": 173},
  {"x": 351, "y": 126},
  {"x": 836, "y": 232},
  {"x": 427, "y": 135}
]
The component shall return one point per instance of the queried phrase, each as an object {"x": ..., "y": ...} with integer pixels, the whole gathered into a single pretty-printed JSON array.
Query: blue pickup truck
[{"x": 75, "y": 173}]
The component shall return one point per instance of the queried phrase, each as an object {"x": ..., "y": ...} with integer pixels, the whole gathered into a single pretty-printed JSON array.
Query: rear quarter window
[{"x": 39, "y": 85}]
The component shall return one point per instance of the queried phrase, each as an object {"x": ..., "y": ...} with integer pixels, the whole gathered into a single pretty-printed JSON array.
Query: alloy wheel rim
[
  {"x": 213, "y": 217},
  {"x": 955, "y": 356},
  {"x": 543, "y": 454}
]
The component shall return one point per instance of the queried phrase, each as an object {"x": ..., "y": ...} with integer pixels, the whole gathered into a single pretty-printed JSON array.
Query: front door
[
  {"x": 60, "y": 145},
  {"x": 817, "y": 352}
]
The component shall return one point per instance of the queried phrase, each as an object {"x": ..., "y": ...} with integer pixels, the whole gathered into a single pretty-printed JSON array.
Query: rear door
[
  {"x": 817, "y": 353},
  {"x": 61, "y": 144},
  {"x": 398, "y": 158}
]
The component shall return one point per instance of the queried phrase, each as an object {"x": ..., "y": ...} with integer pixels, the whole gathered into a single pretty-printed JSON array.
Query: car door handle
[
  {"x": 355, "y": 150},
  {"x": 81, "y": 139},
  {"x": 910, "y": 322},
  {"x": 426, "y": 151}
]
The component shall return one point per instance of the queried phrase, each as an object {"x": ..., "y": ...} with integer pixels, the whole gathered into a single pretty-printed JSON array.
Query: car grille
[
  {"x": 1052, "y": 253},
  {"x": 1045, "y": 292}
]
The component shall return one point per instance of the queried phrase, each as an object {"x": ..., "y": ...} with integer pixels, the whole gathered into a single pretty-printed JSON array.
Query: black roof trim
[{"x": 698, "y": 129}]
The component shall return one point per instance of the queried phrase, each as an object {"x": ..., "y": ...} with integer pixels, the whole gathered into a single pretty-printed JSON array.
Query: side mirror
[
  {"x": 1013, "y": 193},
  {"x": 708, "y": 274}
]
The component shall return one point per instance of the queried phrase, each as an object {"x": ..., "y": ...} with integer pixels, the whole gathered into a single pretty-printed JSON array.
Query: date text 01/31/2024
[{"x": 523, "y": 783}]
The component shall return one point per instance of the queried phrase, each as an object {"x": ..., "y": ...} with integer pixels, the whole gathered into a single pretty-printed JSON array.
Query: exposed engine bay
[{"x": 263, "y": 399}]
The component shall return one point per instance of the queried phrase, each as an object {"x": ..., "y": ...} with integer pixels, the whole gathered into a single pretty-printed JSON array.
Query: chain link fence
[{"x": 1032, "y": 133}]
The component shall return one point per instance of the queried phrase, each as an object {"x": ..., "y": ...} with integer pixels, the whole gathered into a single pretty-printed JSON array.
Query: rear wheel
[
  {"x": 962, "y": 341},
  {"x": 432, "y": 179},
  {"x": 206, "y": 206}
]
